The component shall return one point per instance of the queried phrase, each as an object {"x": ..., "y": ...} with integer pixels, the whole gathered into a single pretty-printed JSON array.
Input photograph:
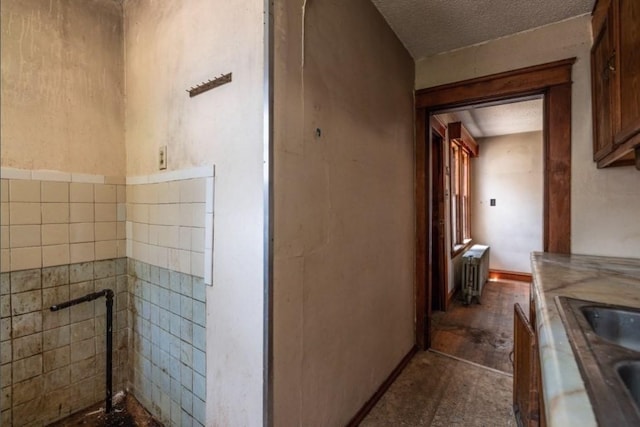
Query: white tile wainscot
[
  {"x": 52, "y": 218},
  {"x": 170, "y": 220}
]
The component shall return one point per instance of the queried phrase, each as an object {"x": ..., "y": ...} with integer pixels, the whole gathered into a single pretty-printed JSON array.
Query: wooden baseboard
[
  {"x": 369, "y": 404},
  {"x": 510, "y": 275}
]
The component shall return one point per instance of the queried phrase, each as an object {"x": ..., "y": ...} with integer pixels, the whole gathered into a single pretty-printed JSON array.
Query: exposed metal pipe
[{"x": 108, "y": 294}]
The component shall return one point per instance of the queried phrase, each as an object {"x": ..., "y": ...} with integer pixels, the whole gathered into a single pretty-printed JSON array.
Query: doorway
[
  {"x": 553, "y": 81},
  {"x": 504, "y": 144}
]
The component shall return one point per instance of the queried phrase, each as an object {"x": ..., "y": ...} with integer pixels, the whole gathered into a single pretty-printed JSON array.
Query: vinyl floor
[{"x": 466, "y": 379}]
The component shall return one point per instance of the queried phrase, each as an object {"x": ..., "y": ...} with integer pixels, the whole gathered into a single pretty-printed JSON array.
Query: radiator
[{"x": 475, "y": 272}]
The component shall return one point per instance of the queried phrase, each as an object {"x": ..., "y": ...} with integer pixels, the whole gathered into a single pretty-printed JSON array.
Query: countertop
[{"x": 602, "y": 279}]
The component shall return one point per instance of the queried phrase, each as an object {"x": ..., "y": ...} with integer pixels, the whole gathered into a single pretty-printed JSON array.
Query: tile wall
[
  {"x": 65, "y": 235},
  {"x": 168, "y": 343},
  {"x": 53, "y": 363},
  {"x": 62, "y": 236},
  {"x": 169, "y": 245},
  {"x": 167, "y": 224},
  {"x": 46, "y": 223}
]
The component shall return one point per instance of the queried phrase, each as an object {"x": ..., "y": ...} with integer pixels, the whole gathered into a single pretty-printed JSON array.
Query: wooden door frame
[
  {"x": 439, "y": 128},
  {"x": 553, "y": 80}
]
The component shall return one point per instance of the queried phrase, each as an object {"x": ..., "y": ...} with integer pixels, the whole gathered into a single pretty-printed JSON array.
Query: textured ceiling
[
  {"x": 505, "y": 119},
  {"x": 427, "y": 27}
]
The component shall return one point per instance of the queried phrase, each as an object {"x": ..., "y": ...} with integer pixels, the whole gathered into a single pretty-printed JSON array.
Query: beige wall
[
  {"x": 604, "y": 202},
  {"x": 344, "y": 226},
  {"x": 509, "y": 169},
  {"x": 169, "y": 47},
  {"x": 62, "y": 86}
]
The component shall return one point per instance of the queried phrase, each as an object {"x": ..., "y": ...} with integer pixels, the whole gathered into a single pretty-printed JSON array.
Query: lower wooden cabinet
[{"x": 527, "y": 390}]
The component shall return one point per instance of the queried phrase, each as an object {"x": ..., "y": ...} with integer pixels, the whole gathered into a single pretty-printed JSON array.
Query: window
[
  {"x": 462, "y": 147},
  {"x": 460, "y": 214}
]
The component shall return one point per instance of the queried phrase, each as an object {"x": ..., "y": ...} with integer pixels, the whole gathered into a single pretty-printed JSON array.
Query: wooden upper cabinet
[
  {"x": 629, "y": 65},
  {"x": 615, "y": 75},
  {"x": 602, "y": 74}
]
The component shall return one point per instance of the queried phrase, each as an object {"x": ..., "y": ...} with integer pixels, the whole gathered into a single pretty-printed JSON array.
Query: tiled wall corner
[
  {"x": 168, "y": 343},
  {"x": 64, "y": 235}
]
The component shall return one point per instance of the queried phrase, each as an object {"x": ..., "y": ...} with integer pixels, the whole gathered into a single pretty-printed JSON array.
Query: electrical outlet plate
[{"x": 162, "y": 158}]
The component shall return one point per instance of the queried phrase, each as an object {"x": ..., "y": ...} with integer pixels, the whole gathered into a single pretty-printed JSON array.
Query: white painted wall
[
  {"x": 171, "y": 46},
  {"x": 509, "y": 169},
  {"x": 344, "y": 209},
  {"x": 605, "y": 203}
]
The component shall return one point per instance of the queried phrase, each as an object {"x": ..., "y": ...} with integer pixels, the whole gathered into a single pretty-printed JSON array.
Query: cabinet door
[
  {"x": 628, "y": 63},
  {"x": 525, "y": 371},
  {"x": 602, "y": 81}
]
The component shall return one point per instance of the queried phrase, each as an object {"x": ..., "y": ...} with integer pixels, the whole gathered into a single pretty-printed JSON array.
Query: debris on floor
[{"x": 126, "y": 412}]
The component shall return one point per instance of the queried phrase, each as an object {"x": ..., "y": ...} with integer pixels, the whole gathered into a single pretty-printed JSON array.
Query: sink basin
[
  {"x": 629, "y": 373},
  {"x": 621, "y": 327},
  {"x": 605, "y": 340}
]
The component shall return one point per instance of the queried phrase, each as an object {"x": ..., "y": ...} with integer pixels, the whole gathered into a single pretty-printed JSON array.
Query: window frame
[{"x": 459, "y": 198}]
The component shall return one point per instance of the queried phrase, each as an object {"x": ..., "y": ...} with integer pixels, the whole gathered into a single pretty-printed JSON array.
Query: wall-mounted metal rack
[{"x": 210, "y": 84}]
